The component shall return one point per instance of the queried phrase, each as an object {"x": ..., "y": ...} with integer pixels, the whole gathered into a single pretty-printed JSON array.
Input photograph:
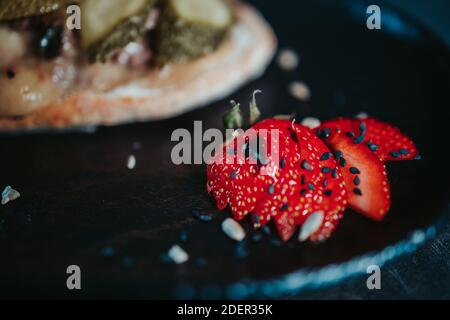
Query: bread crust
[{"x": 243, "y": 56}]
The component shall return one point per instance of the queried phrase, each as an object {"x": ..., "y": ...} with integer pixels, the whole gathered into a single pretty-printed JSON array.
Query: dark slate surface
[{"x": 78, "y": 197}]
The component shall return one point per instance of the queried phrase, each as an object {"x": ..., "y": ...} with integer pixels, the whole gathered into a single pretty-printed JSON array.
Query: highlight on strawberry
[{"x": 316, "y": 174}]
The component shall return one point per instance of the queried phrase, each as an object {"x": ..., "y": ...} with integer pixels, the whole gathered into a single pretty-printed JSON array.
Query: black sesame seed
[
  {"x": 359, "y": 139},
  {"x": 325, "y": 182},
  {"x": 306, "y": 165},
  {"x": 357, "y": 191},
  {"x": 342, "y": 162},
  {"x": 205, "y": 217},
  {"x": 395, "y": 154},
  {"x": 195, "y": 214},
  {"x": 334, "y": 173},
  {"x": 325, "y": 156},
  {"x": 328, "y": 193},
  {"x": 326, "y": 169},
  {"x": 311, "y": 186},
  {"x": 271, "y": 189},
  {"x": 418, "y": 157},
  {"x": 372, "y": 146},
  {"x": 403, "y": 151},
  {"x": 354, "y": 170},
  {"x": 356, "y": 181},
  {"x": 282, "y": 163},
  {"x": 326, "y": 133},
  {"x": 10, "y": 73},
  {"x": 363, "y": 128},
  {"x": 284, "y": 207},
  {"x": 275, "y": 242},
  {"x": 338, "y": 154},
  {"x": 303, "y": 179},
  {"x": 303, "y": 192},
  {"x": 233, "y": 175},
  {"x": 350, "y": 134}
]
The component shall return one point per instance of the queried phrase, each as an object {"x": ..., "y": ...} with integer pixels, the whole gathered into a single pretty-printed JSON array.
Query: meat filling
[{"x": 41, "y": 61}]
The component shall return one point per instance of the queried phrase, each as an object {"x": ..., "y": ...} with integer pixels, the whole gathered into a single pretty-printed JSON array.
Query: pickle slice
[
  {"x": 125, "y": 32},
  {"x": 100, "y": 17},
  {"x": 13, "y": 9},
  {"x": 190, "y": 28}
]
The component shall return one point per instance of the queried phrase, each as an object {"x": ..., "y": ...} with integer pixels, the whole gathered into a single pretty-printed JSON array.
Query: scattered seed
[
  {"x": 9, "y": 194},
  {"x": 311, "y": 122},
  {"x": 334, "y": 174},
  {"x": 350, "y": 134},
  {"x": 288, "y": 60},
  {"x": 195, "y": 214},
  {"x": 299, "y": 90},
  {"x": 325, "y": 133},
  {"x": 233, "y": 229},
  {"x": 205, "y": 217},
  {"x": 306, "y": 165},
  {"x": 363, "y": 128},
  {"x": 403, "y": 151},
  {"x": 266, "y": 229},
  {"x": 275, "y": 242},
  {"x": 303, "y": 192},
  {"x": 311, "y": 225},
  {"x": 357, "y": 191},
  {"x": 284, "y": 207},
  {"x": 177, "y": 254},
  {"x": 418, "y": 157},
  {"x": 131, "y": 162},
  {"x": 256, "y": 221},
  {"x": 356, "y": 181},
  {"x": 282, "y": 163},
  {"x": 303, "y": 179},
  {"x": 328, "y": 193},
  {"x": 338, "y": 154},
  {"x": 372, "y": 146},
  {"x": 395, "y": 154},
  {"x": 325, "y": 182},
  {"x": 362, "y": 115},
  {"x": 311, "y": 186},
  {"x": 342, "y": 162},
  {"x": 359, "y": 139},
  {"x": 326, "y": 169},
  {"x": 354, "y": 170},
  {"x": 326, "y": 156}
]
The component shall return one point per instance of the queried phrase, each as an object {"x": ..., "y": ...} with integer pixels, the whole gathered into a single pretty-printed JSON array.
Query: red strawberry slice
[
  {"x": 302, "y": 180},
  {"x": 364, "y": 175},
  {"x": 385, "y": 140}
]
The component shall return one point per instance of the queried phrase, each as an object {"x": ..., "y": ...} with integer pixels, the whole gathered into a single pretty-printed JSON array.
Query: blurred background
[{"x": 432, "y": 13}]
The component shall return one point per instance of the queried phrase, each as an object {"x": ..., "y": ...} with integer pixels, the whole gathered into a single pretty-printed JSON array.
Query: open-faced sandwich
[{"x": 129, "y": 60}]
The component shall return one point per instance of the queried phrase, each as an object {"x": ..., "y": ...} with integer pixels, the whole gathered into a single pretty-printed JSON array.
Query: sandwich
[{"x": 76, "y": 63}]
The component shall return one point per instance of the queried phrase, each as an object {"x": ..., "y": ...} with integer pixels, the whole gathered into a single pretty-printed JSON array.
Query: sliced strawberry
[
  {"x": 364, "y": 175},
  {"x": 288, "y": 187},
  {"x": 385, "y": 140}
]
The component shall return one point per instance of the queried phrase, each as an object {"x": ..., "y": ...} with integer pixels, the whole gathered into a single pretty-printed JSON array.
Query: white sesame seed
[
  {"x": 362, "y": 115},
  {"x": 9, "y": 194},
  {"x": 131, "y": 163},
  {"x": 299, "y": 90},
  {"x": 288, "y": 60},
  {"x": 233, "y": 229},
  {"x": 311, "y": 122},
  {"x": 178, "y": 255},
  {"x": 311, "y": 225}
]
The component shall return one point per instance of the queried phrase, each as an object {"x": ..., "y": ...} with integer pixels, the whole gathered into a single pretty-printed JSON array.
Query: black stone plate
[{"x": 78, "y": 197}]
